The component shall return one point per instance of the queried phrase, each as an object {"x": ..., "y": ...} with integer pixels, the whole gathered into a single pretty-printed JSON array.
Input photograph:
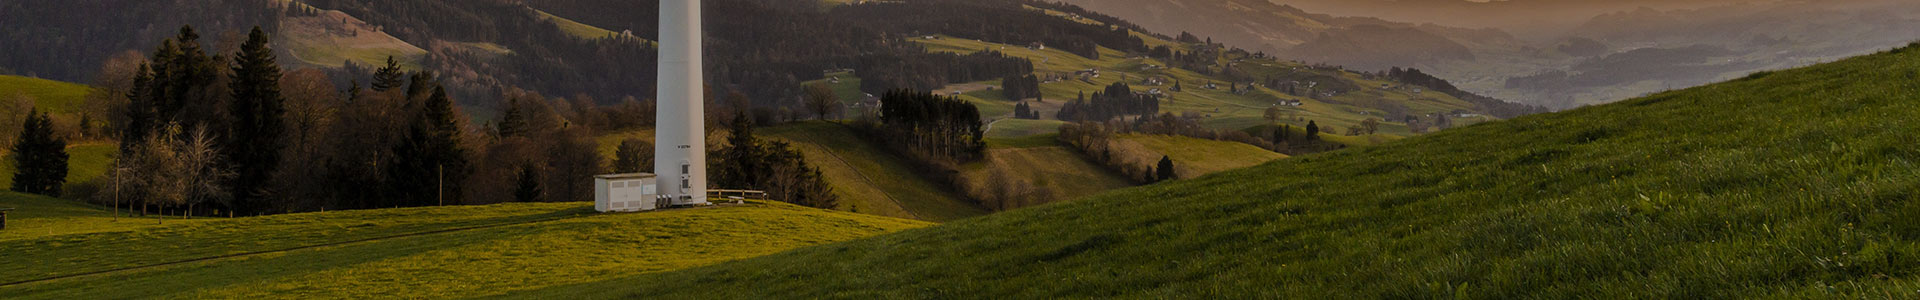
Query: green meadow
[
  {"x": 428, "y": 252},
  {"x": 1788, "y": 184}
]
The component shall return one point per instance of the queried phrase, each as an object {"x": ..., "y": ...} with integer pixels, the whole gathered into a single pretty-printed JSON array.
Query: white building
[{"x": 626, "y": 192}]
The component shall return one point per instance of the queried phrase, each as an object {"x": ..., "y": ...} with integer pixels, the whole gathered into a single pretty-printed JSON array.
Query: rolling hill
[
  {"x": 86, "y": 161},
  {"x": 48, "y": 95},
  {"x": 40, "y": 217},
  {"x": 438, "y": 252},
  {"x": 332, "y": 38},
  {"x": 1197, "y": 157},
  {"x": 1219, "y": 108},
  {"x": 1788, "y": 184},
  {"x": 870, "y": 179}
]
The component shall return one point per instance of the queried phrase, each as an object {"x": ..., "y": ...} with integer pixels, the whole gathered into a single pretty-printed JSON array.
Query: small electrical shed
[{"x": 625, "y": 192}]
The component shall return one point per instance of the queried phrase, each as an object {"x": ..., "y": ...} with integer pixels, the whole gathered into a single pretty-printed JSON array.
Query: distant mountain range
[{"x": 1558, "y": 53}]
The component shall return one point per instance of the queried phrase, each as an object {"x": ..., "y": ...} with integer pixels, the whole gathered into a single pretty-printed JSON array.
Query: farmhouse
[{"x": 1153, "y": 80}]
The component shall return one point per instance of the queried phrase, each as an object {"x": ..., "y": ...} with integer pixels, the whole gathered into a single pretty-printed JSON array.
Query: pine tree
[
  {"x": 353, "y": 93},
  {"x": 139, "y": 111},
  {"x": 740, "y": 159},
  {"x": 40, "y": 159},
  {"x": 1313, "y": 130},
  {"x": 512, "y": 121},
  {"x": 388, "y": 77},
  {"x": 430, "y": 163},
  {"x": 420, "y": 84},
  {"x": 1165, "y": 169},
  {"x": 632, "y": 156},
  {"x": 529, "y": 185},
  {"x": 256, "y": 136}
]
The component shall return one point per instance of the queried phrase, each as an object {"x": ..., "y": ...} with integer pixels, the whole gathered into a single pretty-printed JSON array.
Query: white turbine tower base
[{"x": 680, "y": 154}]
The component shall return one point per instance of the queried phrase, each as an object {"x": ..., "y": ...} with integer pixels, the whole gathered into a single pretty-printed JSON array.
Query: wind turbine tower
[{"x": 680, "y": 154}]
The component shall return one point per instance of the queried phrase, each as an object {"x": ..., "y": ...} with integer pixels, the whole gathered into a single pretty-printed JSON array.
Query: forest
[{"x": 1116, "y": 100}]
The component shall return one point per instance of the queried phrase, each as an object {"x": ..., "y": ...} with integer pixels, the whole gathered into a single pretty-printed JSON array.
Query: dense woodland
[
  {"x": 207, "y": 134},
  {"x": 934, "y": 126},
  {"x": 69, "y": 40},
  {"x": 1018, "y": 88}
]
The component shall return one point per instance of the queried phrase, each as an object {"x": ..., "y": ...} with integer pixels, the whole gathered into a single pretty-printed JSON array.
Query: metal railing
[{"x": 739, "y": 196}]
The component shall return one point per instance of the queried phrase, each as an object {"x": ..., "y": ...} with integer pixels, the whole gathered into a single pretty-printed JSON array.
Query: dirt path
[{"x": 989, "y": 128}]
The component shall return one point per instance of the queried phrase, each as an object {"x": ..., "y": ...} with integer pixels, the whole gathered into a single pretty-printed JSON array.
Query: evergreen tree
[
  {"x": 40, "y": 159},
  {"x": 632, "y": 156},
  {"x": 528, "y": 189},
  {"x": 188, "y": 76},
  {"x": 741, "y": 158},
  {"x": 256, "y": 136},
  {"x": 430, "y": 163},
  {"x": 512, "y": 122},
  {"x": 388, "y": 77},
  {"x": 1165, "y": 169},
  {"x": 139, "y": 111},
  {"x": 1313, "y": 130},
  {"x": 419, "y": 84},
  {"x": 353, "y": 93}
]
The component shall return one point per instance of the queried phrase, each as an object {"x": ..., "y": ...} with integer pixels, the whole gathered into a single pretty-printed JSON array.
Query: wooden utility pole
[
  {"x": 440, "y": 180},
  {"x": 121, "y": 172}
]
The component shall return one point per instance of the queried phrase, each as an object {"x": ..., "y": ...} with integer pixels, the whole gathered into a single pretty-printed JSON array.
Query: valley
[{"x": 935, "y": 149}]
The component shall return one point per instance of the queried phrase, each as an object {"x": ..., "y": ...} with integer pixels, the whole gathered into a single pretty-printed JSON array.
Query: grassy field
[
  {"x": 1059, "y": 169},
  {"x": 492, "y": 250},
  {"x": 1194, "y": 157},
  {"x": 48, "y": 95},
  {"x": 85, "y": 164},
  {"x": 870, "y": 179},
  {"x": 39, "y": 217},
  {"x": 1221, "y": 109},
  {"x": 848, "y": 89},
  {"x": 1015, "y": 128},
  {"x": 577, "y": 29},
  {"x": 1348, "y": 140},
  {"x": 1789, "y": 184},
  {"x": 320, "y": 41}
]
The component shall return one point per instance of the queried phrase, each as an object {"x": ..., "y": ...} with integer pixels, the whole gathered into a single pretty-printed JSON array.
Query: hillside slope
[
  {"x": 1795, "y": 183},
  {"x": 429, "y": 252},
  {"x": 1196, "y": 157},
  {"x": 36, "y": 216},
  {"x": 48, "y": 95},
  {"x": 870, "y": 179}
]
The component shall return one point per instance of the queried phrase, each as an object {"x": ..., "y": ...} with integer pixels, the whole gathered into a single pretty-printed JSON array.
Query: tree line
[
  {"x": 39, "y": 157},
  {"x": 1000, "y": 21},
  {"x": 1020, "y": 87},
  {"x": 749, "y": 162},
  {"x": 207, "y": 133},
  {"x": 1116, "y": 100}
]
